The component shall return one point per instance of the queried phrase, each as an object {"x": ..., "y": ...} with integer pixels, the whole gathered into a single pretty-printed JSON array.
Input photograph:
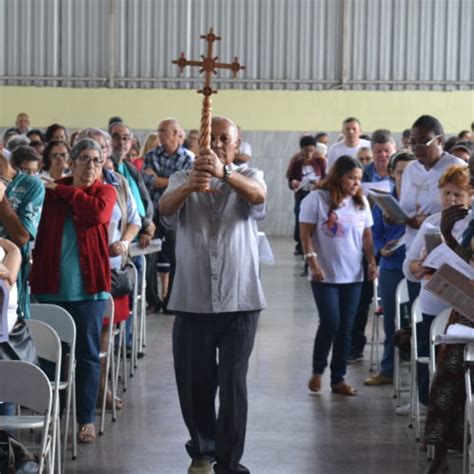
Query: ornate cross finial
[
  {"x": 209, "y": 63},
  {"x": 209, "y": 66}
]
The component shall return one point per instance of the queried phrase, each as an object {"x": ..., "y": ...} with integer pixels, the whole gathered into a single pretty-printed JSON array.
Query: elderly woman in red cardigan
[{"x": 71, "y": 265}]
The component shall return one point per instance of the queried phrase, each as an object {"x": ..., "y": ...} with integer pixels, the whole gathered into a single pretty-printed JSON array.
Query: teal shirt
[
  {"x": 71, "y": 286},
  {"x": 25, "y": 195},
  {"x": 122, "y": 169}
]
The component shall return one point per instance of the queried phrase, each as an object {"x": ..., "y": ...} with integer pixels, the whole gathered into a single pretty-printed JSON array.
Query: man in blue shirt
[
  {"x": 160, "y": 164},
  {"x": 383, "y": 147}
]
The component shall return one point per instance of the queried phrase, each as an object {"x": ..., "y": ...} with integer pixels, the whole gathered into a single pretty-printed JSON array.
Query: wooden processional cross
[{"x": 208, "y": 66}]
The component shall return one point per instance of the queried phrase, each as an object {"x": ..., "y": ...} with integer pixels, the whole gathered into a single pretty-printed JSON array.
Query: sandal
[
  {"x": 314, "y": 383},
  {"x": 343, "y": 389},
  {"x": 86, "y": 433},
  {"x": 108, "y": 403},
  {"x": 118, "y": 403}
]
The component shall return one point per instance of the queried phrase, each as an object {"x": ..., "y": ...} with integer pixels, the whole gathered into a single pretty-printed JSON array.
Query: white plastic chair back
[
  {"x": 63, "y": 323},
  {"x": 27, "y": 386},
  {"x": 48, "y": 347},
  {"x": 59, "y": 319},
  {"x": 401, "y": 297},
  {"x": 438, "y": 327}
]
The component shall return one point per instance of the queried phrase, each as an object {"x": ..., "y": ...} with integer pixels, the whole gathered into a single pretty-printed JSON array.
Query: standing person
[
  {"x": 383, "y": 147},
  {"x": 419, "y": 195},
  {"x": 386, "y": 237},
  {"x": 160, "y": 164},
  {"x": 303, "y": 174},
  {"x": 335, "y": 220},
  {"x": 454, "y": 190},
  {"x": 22, "y": 123},
  {"x": 21, "y": 201},
  {"x": 244, "y": 155},
  {"x": 217, "y": 296},
  {"x": 351, "y": 130},
  {"x": 55, "y": 161},
  {"x": 71, "y": 265},
  {"x": 444, "y": 428}
]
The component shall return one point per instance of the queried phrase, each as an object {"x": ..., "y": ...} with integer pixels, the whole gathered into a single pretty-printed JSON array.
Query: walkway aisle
[{"x": 289, "y": 430}]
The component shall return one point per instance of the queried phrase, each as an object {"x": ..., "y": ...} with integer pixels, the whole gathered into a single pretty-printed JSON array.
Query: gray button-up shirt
[{"x": 217, "y": 263}]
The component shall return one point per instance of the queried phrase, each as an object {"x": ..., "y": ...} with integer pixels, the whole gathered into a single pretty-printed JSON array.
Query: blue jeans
[
  {"x": 88, "y": 316},
  {"x": 337, "y": 306},
  {"x": 388, "y": 281}
]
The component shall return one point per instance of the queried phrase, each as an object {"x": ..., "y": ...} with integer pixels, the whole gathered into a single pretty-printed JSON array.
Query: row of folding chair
[{"x": 29, "y": 387}]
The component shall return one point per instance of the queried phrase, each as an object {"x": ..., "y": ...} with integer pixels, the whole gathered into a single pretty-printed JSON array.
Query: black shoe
[
  {"x": 168, "y": 312},
  {"x": 140, "y": 355},
  {"x": 355, "y": 357}
]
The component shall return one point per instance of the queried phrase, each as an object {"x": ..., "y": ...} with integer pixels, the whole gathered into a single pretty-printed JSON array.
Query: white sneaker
[
  {"x": 200, "y": 466},
  {"x": 404, "y": 410}
]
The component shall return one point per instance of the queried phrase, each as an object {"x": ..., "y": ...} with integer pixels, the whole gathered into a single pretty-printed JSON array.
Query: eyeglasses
[
  {"x": 58, "y": 155},
  {"x": 85, "y": 160},
  {"x": 423, "y": 146},
  {"x": 124, "y": 138}
]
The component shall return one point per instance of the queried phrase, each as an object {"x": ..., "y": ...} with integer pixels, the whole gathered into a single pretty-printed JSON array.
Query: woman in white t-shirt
[{"x": 335, "y": 224}]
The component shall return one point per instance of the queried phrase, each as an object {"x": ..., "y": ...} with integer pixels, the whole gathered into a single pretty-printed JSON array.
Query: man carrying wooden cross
[{"x": 217, "y": 296}]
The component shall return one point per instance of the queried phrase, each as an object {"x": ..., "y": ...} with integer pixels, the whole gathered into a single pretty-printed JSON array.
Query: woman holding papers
[
  {"x": 419, "y": 195},
  {"x": 335, "y": 221},
  {"x": 302, "y": 175},
  {"x": 445, "y": 420},
  {"x": 454, "y": 191},
  {"x": 389, "y": 246}
]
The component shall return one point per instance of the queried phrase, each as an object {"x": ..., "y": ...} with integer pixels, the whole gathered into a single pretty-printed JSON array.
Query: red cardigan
[{"x": 91, "y": 208}]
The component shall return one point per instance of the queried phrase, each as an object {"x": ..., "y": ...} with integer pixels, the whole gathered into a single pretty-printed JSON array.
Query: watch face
[{"x": 227, "y": 169}]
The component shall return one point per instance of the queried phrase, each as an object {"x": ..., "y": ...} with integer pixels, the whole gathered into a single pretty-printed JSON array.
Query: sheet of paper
[
  {"x": 4, "y": 297},
  {"x": 454, "y": 288},
  {"x": 443, "y": 254},
  {"x": 382, "y": 186},
  {"x": 389, "y": 206},
  {"x": 396, "y": 245}
]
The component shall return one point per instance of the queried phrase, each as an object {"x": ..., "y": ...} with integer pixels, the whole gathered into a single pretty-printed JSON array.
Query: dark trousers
[
  {"x": 198, "y": 341},
  {"x": 169, "y": 247},
  {"x": 359, "y": 339},
  {"x": 336, "y": 305}
]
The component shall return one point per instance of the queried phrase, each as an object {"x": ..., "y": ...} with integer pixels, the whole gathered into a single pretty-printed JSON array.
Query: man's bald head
[
  {"x": 169, "y": 135},
  {"x": 234, "y": 130},
  {"x": 224, "y": 139}
]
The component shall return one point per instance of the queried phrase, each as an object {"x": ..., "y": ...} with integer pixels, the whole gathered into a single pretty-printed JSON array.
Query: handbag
[
  {"x": 121, "y": 282},
  {"x": 20, "y": 345},
  {"x": 14, "y": 457}
]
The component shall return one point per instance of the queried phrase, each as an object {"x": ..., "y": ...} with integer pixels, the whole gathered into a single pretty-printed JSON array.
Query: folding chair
[
  {"x": 377, "y": 313},
  {"x": 109, "y": 366},
  {"x": 48, "y": 348},
  {"x": 468, "y": 455},
  {"x": 401, "y": 297},
  {"x": 437, "y": 329},
  {"x": 415, "y": 359},
  {"x": 29, "y": 387},
  {"x": 61, "y": 321}
]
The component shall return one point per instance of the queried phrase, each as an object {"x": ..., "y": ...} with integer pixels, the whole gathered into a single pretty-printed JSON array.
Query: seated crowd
[
  {"x": 347, "y": 240},
  {"x": 83, "y": 199}
]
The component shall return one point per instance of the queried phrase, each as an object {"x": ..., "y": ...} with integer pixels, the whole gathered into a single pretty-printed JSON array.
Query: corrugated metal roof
[{"x": 285, "y": 44}]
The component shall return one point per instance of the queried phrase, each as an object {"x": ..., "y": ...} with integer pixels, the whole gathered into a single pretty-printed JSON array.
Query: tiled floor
[{"x": 289, "y": 430}]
